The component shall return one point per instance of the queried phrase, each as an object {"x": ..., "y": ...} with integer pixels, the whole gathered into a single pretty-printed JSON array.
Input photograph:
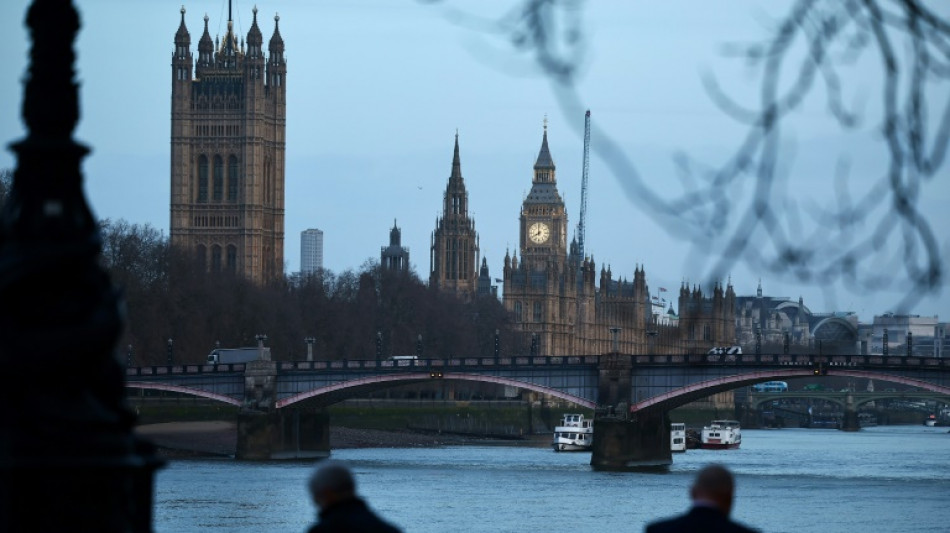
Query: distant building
[
  {"x": 311, "y": 251},
  {"x": 454, "y": 253},
  {"x": 925, "y": 336},
  {"x": 395, "y": 256},
  {"x": 485, "y": 287},
  {"x": 554, "y": 296},
  {"x": 767, "y": 320},
  {"x": 228, "y": 118}
]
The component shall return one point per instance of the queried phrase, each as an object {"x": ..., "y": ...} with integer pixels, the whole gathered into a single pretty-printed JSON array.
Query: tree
[{"x": 6, "y": 181}]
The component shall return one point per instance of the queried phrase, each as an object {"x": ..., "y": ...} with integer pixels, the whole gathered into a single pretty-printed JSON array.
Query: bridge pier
[
  {"x": 621, "y": 441},
  {"x": 638, "y": 443},
  {"x": 850, "y": 420},
  {"x": 267, "y": 433},
  {"x": 287, "y": 433}
]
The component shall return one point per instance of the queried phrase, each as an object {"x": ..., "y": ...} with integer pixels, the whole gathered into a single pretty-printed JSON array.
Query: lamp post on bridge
[
  {"x": 309, "y": 341},
  {"x": 128, "y": 361},
  {"x": 497, "y": 345},
  {"x": 171, "y": 352},
  {"x": 261, "y": 339},
  {"x": 884, "y": 344}
]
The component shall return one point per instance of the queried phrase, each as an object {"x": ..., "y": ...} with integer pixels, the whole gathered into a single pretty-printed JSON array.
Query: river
[{"x": 881, "y": 479}]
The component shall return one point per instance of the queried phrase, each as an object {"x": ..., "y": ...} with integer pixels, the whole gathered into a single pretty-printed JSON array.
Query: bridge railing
[
  {"x": 425, "y": 364},
  {"x": 145, "y": 371},
  {"x": 483, "y": 362}
]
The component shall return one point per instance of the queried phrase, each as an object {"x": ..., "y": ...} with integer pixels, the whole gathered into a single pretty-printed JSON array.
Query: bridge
[
  {"x": 282, "y": 403},
  {"x": 847, "y": 401}
]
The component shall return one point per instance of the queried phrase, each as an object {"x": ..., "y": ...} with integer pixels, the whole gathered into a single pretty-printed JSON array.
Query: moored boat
[
  {"x": 930, "y": 421},
  {"x": 677, "y": 437},
  {"x": 721, "y": 435},
  {"x": 575, "y": 434}
]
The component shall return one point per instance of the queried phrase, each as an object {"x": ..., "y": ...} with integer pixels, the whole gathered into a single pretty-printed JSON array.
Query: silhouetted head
[
  {"x": 714, "y": 486},
  {"x": 331, "y": 482}
]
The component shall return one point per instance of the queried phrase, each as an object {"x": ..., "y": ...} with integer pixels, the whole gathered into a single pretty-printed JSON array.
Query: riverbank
[{"x": 219, "y": 438}]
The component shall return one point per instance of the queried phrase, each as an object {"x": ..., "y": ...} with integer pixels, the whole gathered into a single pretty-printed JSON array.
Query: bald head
[
  {"x": 714, "y": 485},
  {"x": 331, "y": 482}
]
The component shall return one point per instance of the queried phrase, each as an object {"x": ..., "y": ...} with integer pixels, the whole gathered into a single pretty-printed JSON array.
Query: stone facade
[
  {"x": 554, "y": 297},
  {"x": 454, "y": 252},
  {"x": 228, "y": 120}
]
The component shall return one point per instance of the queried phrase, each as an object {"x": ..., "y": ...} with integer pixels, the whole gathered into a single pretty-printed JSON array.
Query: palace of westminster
[{"x": 228, "y": 122}]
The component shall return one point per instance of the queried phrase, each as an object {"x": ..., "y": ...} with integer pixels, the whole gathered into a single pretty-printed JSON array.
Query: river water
[{"x": 881, "y": 479}]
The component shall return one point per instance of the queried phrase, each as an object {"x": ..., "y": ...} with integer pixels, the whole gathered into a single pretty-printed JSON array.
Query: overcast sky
[{"x": 377, "y": 89}]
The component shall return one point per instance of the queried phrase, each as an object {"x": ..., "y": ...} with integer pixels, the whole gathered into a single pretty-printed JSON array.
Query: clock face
[{"x": 539, "y": 232}]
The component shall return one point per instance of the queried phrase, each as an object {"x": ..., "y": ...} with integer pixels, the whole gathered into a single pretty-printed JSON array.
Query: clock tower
[
  {"x": 541, "y": 290},
  {"x": 543, "y": 235}
]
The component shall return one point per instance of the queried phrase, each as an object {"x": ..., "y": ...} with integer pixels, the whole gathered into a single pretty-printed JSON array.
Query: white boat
[
  {"x": 930, "y": 421},
  {"x": 721, "y": 435},
  {"x": 575, "y": 434},
  {"x": 677, "y": 437}
]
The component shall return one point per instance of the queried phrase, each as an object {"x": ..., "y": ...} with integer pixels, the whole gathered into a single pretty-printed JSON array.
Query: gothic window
[
  {"x": 201, "y": 255},
  {"x": 232, "y": 259},
  {"x": 232, "y": 179},
  {"x": 518, "y": 311},
  {"x": 218, "y": 190},
  {"x": 537, "y": 311},
  {"x": 216, "y": 258},
  {"x": 203, "y": 179},
  {"x": 706, "y": 333}
]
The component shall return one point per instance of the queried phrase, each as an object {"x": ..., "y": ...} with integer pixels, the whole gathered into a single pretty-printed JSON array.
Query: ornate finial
[
  {"x": 545, "y": 123},
  {"x": 254, "y": 11},
  {"x": 276, "y": 17},
  {"x": 183, "y": 10},
  {"x": 206, "y": 19}
]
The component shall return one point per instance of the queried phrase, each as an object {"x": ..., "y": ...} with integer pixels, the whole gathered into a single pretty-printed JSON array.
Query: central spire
[
  {"x": 544, "y": 156},
  {"x": 456, "y": 162}
]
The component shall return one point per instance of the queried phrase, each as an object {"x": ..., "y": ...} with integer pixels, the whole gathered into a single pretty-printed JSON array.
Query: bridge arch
[
  {"x": 180, "y": 389},
  {"x": 698, "y": 390},
  {"x": 339, "y": 391}
]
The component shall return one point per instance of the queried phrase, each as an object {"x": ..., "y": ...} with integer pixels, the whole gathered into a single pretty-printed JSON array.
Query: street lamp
[
  {"x": 171, "y": 358},
  {"x": 128, "y": 362},
  {"x": 419, "y": 345},
  {"x": 309, "y": 341},
  {"x": 497, "y": 345}
]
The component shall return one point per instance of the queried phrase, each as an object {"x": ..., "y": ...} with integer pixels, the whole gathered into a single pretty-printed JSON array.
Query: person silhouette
[
  {"x": 712, "y": 495},
  {"x": 333, "y": 490}
]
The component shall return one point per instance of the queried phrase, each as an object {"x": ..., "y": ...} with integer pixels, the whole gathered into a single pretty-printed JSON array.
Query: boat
[
  {"x": 930, "y": 421},
  {"x": 677, "y": 437},
  {"x": 575, "y": 434},
  {"x": 721, "y": 435}
]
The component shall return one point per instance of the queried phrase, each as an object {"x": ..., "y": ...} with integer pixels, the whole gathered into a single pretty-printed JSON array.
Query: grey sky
[{"x": 377, "y": 89}]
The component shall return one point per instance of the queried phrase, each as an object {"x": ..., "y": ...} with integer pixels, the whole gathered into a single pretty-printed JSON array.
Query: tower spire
[{"x": 456, "y": 162}]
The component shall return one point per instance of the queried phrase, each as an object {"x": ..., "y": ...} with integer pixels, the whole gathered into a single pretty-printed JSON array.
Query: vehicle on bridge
[
  {"x": 771, "y": 386},
  {"x": 222, "y": 356},
  {"x": 721, "y": 435},
  {"x": 575, "y": 434}
]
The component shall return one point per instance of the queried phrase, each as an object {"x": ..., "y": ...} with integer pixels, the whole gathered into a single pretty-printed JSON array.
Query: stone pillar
[
  {"x": 267, "y": 433},
  {"x": 622, "y": 441},
  {"x": 850, "y": 421},
  {"x": 639, "y": 443}
]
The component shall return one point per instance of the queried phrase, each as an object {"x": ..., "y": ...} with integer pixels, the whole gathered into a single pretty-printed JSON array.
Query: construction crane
[{"x": 582, "y": 223}]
